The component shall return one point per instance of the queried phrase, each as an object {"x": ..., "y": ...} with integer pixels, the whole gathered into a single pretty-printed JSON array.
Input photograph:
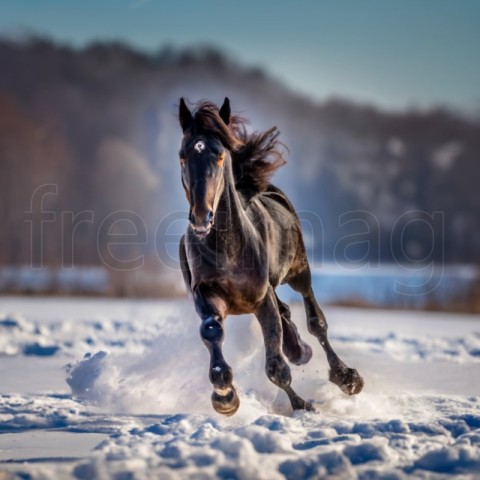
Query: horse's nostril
[
  {"x": 202, "y": 221},
  {"x": 209, "y": 218}
]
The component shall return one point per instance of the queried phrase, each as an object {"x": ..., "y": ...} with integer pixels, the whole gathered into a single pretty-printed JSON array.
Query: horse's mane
[{"x": 255, "y": 156}]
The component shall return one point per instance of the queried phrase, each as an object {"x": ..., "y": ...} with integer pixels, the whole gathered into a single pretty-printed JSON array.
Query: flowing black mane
[{"x": 255, "y": 156}]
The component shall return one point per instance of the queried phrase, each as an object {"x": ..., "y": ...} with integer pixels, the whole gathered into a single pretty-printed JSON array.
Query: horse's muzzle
[
  {"x": 202, "y": 229},
  {"x": 201, "y": 232}
]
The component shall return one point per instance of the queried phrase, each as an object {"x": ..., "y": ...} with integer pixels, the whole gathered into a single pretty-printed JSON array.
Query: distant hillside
[{"x": 100, "y": 124}]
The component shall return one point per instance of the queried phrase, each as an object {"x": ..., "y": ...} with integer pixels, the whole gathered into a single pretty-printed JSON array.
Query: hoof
[
  {"x": 348, "y": 380},
  {"x": 303, "y": 405},
  {"x": 300, "y": 356},
  {"x": 226, "y": 401}
]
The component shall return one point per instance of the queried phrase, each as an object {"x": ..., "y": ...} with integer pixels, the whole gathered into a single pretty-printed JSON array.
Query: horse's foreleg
[
  {"x": 348, "y": 379},
  {"x": 224, "y": 397},
  {"x": 212, "y": 311},
  {"x": 276, "y": 368}
]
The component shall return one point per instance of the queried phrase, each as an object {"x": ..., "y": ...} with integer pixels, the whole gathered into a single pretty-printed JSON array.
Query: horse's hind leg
[
  {"x": 295, "y": 349},
  {"x": 348, "y": 379},
  {"x": 212, "y": 311},
  {"x": 276, "y": 368}
]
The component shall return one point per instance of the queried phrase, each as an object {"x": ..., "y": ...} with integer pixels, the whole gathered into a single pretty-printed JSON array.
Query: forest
[{"x": 89, "y": 171}]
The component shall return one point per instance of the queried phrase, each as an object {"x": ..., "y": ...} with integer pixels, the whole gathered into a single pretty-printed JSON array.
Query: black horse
[{"x": 244, "y": 239}]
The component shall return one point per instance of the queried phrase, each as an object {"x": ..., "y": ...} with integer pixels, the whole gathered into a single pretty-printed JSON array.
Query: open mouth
[{"x": 202, "y": 232}]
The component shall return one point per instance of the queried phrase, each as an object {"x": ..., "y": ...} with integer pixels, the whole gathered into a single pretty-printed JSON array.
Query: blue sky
[{"x": 392, "y": 53}]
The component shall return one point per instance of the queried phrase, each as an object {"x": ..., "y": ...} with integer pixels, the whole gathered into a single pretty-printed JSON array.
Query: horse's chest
[
  {"x": 244, "y": 286},
  {"x": 244, "y": 290}
]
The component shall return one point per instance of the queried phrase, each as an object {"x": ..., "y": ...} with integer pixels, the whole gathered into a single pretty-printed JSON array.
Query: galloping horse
[{"x": 243, "y": 240}]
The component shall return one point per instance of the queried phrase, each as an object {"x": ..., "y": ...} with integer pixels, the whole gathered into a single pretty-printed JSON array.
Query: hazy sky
[{"x": 395, "y": 53}]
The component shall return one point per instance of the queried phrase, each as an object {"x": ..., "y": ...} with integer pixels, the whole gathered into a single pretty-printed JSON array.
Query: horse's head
[{"x": 202, "y": 160}]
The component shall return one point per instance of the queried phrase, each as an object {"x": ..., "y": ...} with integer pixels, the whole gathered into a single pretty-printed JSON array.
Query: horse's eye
[
  {"x": 220, "y": 159},
  {"x": 182, "y": 162}
]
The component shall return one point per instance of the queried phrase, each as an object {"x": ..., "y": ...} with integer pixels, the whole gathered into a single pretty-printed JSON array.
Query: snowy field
[{"x": 134, "y": 400}]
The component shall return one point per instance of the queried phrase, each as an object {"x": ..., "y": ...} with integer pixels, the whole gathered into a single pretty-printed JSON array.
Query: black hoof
[
  {"x": 309, "y": 407},
  {"x": 226, "y": 404},
  {"x": 300, "y": 356},
  {"x": 303, "y": 405},
  {"x": 348, "y": 380}
]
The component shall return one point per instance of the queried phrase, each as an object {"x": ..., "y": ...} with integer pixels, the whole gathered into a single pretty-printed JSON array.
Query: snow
[
  {"x": 134, "y": 398},
  {"x": 44, "y": 279},
  {"x": 415, "y": 285},
  {"x": 395, "y": 285}
]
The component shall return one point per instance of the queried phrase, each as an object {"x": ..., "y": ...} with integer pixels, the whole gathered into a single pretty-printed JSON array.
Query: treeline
[{"x": 89, "y": 142}]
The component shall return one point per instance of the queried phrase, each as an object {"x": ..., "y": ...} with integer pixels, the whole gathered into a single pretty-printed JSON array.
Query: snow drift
[{"x": 138, "y": 376}]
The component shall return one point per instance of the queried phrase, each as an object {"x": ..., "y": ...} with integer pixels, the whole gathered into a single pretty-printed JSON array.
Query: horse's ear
[
  {"x": 225, "y": 111},
  {"x": 184, "y": 115}
]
